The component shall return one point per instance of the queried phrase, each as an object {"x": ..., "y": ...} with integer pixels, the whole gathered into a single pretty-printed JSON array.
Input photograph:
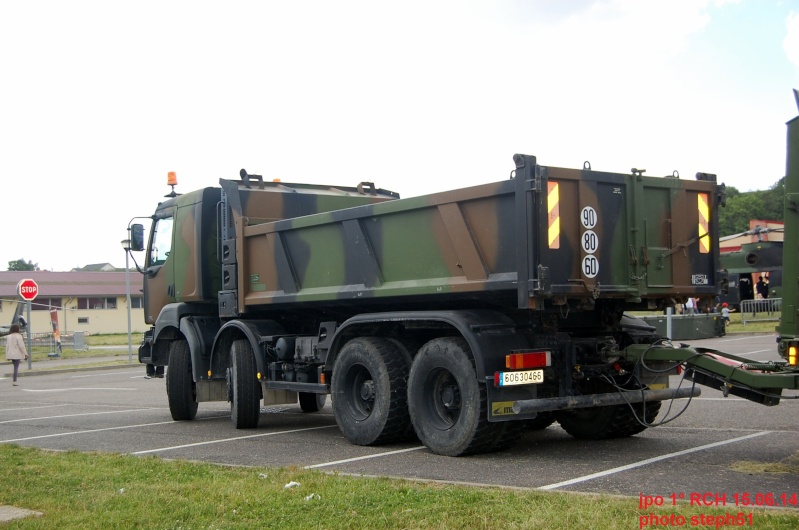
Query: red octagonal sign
[{"x": 28, "y": 289}]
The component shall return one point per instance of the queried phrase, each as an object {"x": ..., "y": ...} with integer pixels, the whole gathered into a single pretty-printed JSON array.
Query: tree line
[
  {"x": 741, "y": 207},
  {"x": 22, "y": 265}
]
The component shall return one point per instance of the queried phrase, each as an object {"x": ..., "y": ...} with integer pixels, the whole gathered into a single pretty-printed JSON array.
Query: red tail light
[{"x": 522, "y": 360}]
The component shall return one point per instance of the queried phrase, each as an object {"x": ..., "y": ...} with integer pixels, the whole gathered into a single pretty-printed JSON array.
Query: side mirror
[{"x": 137, "y": 237}]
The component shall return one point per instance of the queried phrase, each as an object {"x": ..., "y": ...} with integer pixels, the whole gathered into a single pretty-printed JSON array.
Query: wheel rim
[
  {"x": 443, "y": 396},
  {"x": 360, "y": 393}
]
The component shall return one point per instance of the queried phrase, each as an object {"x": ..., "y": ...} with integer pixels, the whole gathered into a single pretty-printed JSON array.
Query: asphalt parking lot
[{"x": 119, "y": 411}]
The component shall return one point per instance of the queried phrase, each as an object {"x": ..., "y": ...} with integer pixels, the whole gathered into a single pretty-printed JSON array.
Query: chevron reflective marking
[
  {"x": 553, "y": 214},
  {"x": 704, "y": 215}
]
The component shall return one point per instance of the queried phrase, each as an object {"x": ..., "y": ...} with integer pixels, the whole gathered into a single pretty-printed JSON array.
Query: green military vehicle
[{"x": 462, "y": 317}]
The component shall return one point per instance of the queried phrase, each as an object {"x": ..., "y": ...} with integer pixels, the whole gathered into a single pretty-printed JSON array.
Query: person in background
[
  {"x": 15, "y": 349},
  {"x": 689, "y": 306},
  {"x": 762, "y": 288},
  {"x": 725, "y": 313}
]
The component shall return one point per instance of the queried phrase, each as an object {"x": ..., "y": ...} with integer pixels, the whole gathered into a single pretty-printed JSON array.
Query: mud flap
[{"x": 501, "y": 399}]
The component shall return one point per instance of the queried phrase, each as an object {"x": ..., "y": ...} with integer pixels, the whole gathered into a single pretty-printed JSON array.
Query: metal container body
[{"x": 547, "y": 237}]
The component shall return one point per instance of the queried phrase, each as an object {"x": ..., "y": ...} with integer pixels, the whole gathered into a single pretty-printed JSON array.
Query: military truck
[{"x": 461, "y": 318}]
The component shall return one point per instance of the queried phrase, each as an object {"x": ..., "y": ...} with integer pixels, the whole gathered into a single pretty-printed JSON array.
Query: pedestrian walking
[{"x": 15, "y": 349}]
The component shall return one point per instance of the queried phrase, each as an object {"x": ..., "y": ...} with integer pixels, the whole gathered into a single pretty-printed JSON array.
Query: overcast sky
[{"x": 99, "y": 100}]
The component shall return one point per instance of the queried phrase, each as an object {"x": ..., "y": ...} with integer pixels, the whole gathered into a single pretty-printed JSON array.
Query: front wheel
[
  {"x": 180, "y": 387},
  {"x": 447, "y": 405},
  {"x": 245, "y": 406}
]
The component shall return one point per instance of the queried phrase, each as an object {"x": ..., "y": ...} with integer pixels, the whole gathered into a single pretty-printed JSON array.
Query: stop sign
[{"x": 28, "y": 289}]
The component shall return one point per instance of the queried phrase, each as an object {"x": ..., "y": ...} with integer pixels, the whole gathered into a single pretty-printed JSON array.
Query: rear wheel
[
  {"x": 369, "y": 391},
  {"x": 245, "y": 407},
  {"x": 615, "y": 421},
  {"x": 180, "y": 387},
  {"x": 448, "y": 407},
  {"x": 506, "y": 434},
  {"x": 541, "y": 421},
  {"x": 310, "y": 402}
]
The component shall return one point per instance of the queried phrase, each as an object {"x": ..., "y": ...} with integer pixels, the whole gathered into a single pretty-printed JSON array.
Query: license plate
[{"x": 526, "y": 377}]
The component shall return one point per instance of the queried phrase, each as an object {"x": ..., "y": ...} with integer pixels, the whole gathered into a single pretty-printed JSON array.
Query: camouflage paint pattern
[
  {"x": 461, "y": 245},
  {"x": 419, "y": 246},
  {"x": 190, "y": 273},
  {"x": 193, "y": 271}
]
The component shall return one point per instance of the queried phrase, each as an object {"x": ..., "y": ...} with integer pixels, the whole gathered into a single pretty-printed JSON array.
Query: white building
[{"x": 92, "y": 302}]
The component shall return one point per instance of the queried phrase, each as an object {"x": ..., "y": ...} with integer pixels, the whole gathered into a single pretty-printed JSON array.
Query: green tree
[
  {"x": 22, "y": 265},
  {"x": 774, "y": 201},
  {"x": 742, "y": 207}
]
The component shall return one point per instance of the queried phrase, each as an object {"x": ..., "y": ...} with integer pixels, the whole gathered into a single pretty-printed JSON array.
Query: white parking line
[
  {"x": 71, "y": 433},
  {"x": 722, "y": 429},
  {"x": 34, "y": 408},
  {"x": 648, "y": 461},
  {"x": 749, "y": 337},
  {"x": 345, "y": 461},
  {"x": 75, "y": 415},
  {"x": 223, "y": 440},
  {"x": 45, "y": 390},
  {"x": 103, "y": 374}
]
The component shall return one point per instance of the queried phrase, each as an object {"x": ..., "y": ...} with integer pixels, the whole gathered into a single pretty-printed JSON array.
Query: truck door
[
  {"x": 159, "y": 276},
  {"x": 679, "y": 226}
]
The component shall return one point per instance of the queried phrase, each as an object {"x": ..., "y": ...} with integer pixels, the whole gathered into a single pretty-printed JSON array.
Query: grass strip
[{"x": 99, "y": 490}]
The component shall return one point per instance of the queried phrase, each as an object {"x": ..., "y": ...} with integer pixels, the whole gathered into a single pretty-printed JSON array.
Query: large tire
[
  {"x": 310, "y": 402},
  {"x": 245, "y": 406},
  {"x": 506, "y": 434},
  {"x": 369, "y": 391},
  {"x": 541, "y": 421},
  {"x": 448, "y": 406},
  {"x": 180, "y": 387},
  {"x": 614, "y": 421}
]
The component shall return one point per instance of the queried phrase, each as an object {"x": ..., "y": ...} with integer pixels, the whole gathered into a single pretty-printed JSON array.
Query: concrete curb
[{"x": 71, "y": 368}]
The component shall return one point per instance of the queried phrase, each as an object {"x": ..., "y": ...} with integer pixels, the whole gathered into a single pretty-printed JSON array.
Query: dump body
[{"x": 549, "y": 237}]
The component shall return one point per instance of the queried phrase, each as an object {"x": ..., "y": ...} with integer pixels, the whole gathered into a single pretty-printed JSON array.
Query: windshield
[{"x": 161, "y": 242}]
